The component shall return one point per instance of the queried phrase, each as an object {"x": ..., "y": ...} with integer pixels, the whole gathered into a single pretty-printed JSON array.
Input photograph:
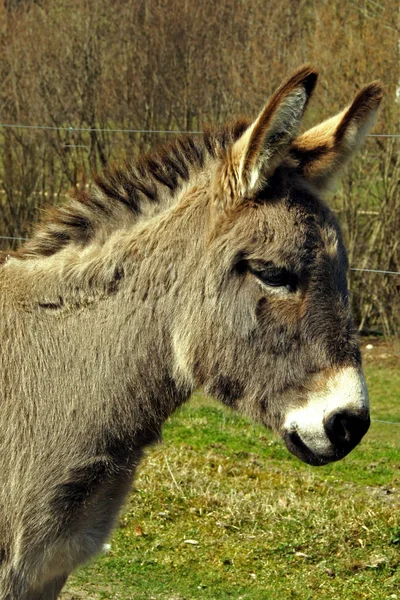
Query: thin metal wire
[
  {"x": 72, "y": 129},
  {"x": 376, "y": 271},
  {"x": 393, "y": 135},
  {"x": 111, "y": 130}
]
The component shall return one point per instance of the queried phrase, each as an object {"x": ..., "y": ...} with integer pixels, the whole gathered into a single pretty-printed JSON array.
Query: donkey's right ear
[
  {"x": 324, "y": 150},
  {"x": 261, "y": 147}
]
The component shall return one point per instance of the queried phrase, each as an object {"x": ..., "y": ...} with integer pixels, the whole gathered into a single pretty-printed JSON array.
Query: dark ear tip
[
  {"x": 374, "y": 91},
  {"x": 305, "y": 77},
  {"x": 308, "y": 76},
  {"x": 310, "y": 82},
  {"x": 370, "y": 96}
]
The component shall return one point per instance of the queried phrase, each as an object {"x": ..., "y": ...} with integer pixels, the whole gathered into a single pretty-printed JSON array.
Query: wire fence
[
  {"x": 95, "y": 129},
  {"x": 158, "y": 131}
]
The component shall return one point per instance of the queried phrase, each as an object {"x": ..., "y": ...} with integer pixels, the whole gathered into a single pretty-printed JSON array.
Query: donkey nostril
[
  {"x": 337, "y": 429},
  {"x": 346, "y": 428}
]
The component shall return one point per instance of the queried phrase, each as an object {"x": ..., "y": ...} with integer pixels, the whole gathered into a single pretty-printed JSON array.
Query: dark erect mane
[{"x": 121, "y": 194}]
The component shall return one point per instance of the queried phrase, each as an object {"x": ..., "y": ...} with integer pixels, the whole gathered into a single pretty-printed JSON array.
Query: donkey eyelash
[{"x": 273, "y": 276}]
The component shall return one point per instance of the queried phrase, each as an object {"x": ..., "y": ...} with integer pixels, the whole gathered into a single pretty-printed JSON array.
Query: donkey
[{"x": 209, "y": 263}]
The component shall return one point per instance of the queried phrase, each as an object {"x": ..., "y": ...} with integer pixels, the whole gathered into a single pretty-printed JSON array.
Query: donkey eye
[
  {"x": 273, "y": 276},
  {"x": 276, "y": 278}
]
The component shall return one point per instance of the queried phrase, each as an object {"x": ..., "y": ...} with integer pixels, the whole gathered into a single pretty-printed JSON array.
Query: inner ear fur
[
  {"x": 256, "y": 153},
  {"x": 322, "y": 152}
]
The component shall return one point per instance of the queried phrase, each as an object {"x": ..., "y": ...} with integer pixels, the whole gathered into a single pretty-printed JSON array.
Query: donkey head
[{"x": 273, "y": 334}]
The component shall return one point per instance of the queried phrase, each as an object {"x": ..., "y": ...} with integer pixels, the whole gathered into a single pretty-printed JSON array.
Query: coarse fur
[{"x": 211, "y": 262}]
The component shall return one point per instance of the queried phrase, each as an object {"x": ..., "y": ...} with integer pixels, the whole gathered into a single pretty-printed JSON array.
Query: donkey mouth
[{"x": 296, "y": 446}]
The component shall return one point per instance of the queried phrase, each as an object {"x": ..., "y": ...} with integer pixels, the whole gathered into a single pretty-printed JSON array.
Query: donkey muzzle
[{"x": 332, "y": 421}]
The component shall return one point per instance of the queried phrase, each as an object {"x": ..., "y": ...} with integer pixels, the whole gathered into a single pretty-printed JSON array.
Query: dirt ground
[{"x": 380, "y": 350}]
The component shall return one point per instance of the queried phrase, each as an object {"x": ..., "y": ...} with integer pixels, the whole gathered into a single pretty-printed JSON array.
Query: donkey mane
[{"x": 122, "y": 194}]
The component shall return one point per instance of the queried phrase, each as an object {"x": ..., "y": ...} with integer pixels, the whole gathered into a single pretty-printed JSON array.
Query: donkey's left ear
[
  {"x": 322, "y": 151},
  {"x": 261, "y": 147}
]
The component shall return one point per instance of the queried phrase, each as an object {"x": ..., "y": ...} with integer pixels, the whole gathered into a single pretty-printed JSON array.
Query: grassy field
[{"x": 221, "y": 510}]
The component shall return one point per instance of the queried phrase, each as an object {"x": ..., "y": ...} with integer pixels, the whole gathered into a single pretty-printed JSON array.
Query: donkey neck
[
  {"x": 114, "y": 304},
  {"x": 143, "y": 256}
]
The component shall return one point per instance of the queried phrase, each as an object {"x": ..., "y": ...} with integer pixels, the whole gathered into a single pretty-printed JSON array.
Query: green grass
[{"x": 266, "y": 526}]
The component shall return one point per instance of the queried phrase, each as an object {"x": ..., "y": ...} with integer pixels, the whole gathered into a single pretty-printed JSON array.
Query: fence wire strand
[
  {"x": 94, "y": 129},
  {"x": 375, "y": 271},
  {"x": 111, "y": 130}
]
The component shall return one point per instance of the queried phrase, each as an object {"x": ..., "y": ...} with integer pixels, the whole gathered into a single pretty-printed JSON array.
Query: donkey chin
[{"x": 333, "y": 419}]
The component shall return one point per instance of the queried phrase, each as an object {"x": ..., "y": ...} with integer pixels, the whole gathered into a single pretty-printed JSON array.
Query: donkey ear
[
  {"x": 260, "y": 148},
  {"x": 324, "y": 150}
]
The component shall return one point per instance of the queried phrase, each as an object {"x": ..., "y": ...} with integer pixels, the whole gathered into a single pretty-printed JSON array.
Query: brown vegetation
[{"x": 141, "y": 65}]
